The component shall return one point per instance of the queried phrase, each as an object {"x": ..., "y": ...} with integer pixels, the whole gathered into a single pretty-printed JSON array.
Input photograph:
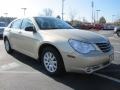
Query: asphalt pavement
[{"x": 20, "y": 72}]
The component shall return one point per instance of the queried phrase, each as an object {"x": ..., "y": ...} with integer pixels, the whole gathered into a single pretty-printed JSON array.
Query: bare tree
[
  {"x": 72, "y": 15},
  {"x": 47, "y": 12},
  {"x": 117, "y": 22}
]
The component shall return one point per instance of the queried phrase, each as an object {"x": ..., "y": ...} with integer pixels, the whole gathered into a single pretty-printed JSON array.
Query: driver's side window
[{"x": 26, "y": 23}]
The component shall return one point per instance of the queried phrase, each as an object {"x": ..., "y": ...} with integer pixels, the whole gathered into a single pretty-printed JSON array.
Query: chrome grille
[{"x": 104, "y": 47}]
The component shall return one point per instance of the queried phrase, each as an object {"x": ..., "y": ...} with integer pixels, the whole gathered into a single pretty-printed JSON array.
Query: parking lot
[{"x": 19, "y": 72}]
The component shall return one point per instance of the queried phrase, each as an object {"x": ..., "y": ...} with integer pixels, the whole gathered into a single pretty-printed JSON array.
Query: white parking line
[
  {"x": 21, "y": 72},
  {"x": 107, "y": 77},
  {"x": 9, "y": 66},
  {"x": 117, "y": 52}
]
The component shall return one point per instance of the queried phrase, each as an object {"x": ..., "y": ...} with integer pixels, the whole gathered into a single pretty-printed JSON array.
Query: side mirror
[{"x": 30, "y": 29}]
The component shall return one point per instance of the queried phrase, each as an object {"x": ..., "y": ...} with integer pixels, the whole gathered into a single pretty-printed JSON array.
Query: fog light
[{"x": 88, "y": 70}]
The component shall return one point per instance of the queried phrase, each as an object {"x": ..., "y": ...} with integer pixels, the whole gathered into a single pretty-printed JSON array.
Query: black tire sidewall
[{"x": 10, "y": 49}]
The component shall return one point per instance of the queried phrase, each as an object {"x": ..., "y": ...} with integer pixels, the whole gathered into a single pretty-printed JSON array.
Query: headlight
[{"x": 81, "y": 47}]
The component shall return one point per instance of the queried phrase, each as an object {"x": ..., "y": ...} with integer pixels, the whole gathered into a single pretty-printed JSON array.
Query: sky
[{"x": 110, "y": 9}]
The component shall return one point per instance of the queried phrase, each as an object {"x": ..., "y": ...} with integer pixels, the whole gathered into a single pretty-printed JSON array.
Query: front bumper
[
  {"x": 88, "y": 63},
  {"x": 94, "y": 68}
]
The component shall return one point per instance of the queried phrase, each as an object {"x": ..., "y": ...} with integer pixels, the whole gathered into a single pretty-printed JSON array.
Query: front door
[{"x": 28, "y": 38}]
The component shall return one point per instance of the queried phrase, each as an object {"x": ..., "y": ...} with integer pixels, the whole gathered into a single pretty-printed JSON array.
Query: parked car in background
[
  {"x": 86, "y": 26},
  {"x": 108, "y": 27},
  {"x": 59, "y": 46},
  {"x": 2, "y": 26},
  {"x": 98, "y": 27},
  {"x": 117, "y": 30}
]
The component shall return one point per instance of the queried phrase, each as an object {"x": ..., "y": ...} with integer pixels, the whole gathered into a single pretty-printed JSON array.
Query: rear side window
[
  {"x": 26, "y": 23},
  {"x": 16, "y": 24}
]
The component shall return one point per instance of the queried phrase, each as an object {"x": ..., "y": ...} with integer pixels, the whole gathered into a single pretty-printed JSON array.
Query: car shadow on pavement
[
  {"x": 28, "y": 61},
  {"x": 112, "y": 71},
  {"x": 73, "y": 80}
]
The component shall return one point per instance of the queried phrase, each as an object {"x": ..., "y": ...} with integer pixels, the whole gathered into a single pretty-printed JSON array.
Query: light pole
[
  {"x": 63, "y": 9},
  {"x": 113, "y": 18},
  {"x": 98, "y": 15},
  {"x": 6, "y": 21},
  {"x": 24, "y": 10}
]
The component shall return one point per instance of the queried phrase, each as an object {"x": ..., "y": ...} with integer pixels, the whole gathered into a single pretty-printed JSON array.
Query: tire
[
  {"x": 118, "y": 33},
  {"x": 8, "y": 46},
  {"x": 52, "y": 61}
]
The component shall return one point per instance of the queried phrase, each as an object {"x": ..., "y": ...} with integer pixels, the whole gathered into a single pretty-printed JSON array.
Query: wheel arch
[
  {"x": 47, "y": 45},
  {"x": 63, "y": 68},
  {"x": 5, "y": 37}
]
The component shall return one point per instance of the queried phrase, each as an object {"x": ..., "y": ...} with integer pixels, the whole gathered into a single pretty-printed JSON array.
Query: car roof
[{"x": 47, "y": 17}]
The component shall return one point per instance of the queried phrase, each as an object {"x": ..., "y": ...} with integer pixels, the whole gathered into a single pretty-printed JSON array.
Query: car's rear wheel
[
  {"x": 8, "y": 46},
  {"x": 118, "y": 33},
  {"x": 52, "y": 61}
]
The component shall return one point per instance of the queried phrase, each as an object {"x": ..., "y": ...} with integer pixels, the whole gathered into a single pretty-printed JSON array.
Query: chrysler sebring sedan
[{"x": 58, "y": 45}]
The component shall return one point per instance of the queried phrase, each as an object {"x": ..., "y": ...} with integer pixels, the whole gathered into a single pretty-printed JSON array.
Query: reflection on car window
[
  {"x": 26, "y": 23},
  {"x": 16, "y": 24},
  {"x": 51, "y": 23}
]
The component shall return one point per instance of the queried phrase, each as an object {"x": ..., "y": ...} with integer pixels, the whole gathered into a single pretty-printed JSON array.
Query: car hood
[{"x": 82, "y": 35}]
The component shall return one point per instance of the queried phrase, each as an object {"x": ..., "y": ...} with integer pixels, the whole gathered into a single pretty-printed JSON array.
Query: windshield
[{"x": 51, "y": 23}]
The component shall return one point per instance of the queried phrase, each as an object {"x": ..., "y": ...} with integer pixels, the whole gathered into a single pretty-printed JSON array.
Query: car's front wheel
[
  {"x": 8, "y": 46},
  {"x": 118, "y": 33},
  {"x": 52, "y": 61}
]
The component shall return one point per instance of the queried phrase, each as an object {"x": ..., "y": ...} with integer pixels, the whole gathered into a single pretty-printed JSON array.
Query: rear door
[{"x": 15, "y": 32}]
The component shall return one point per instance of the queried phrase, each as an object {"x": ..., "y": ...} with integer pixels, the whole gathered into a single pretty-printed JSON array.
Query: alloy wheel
[{"x": 50, "y": 61}]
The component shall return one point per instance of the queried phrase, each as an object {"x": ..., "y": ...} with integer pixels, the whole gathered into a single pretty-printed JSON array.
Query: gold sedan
[{"x": 58, "y": 45}]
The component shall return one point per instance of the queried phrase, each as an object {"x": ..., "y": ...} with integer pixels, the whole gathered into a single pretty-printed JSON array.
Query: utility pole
[
  {"x": 63, "y": 9},
  {"x": 113, "y": 18},
  {"x": 24, "y": 10},
  {"x": 98, "y": 15},
  {"x": 92, "y": 5}
]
